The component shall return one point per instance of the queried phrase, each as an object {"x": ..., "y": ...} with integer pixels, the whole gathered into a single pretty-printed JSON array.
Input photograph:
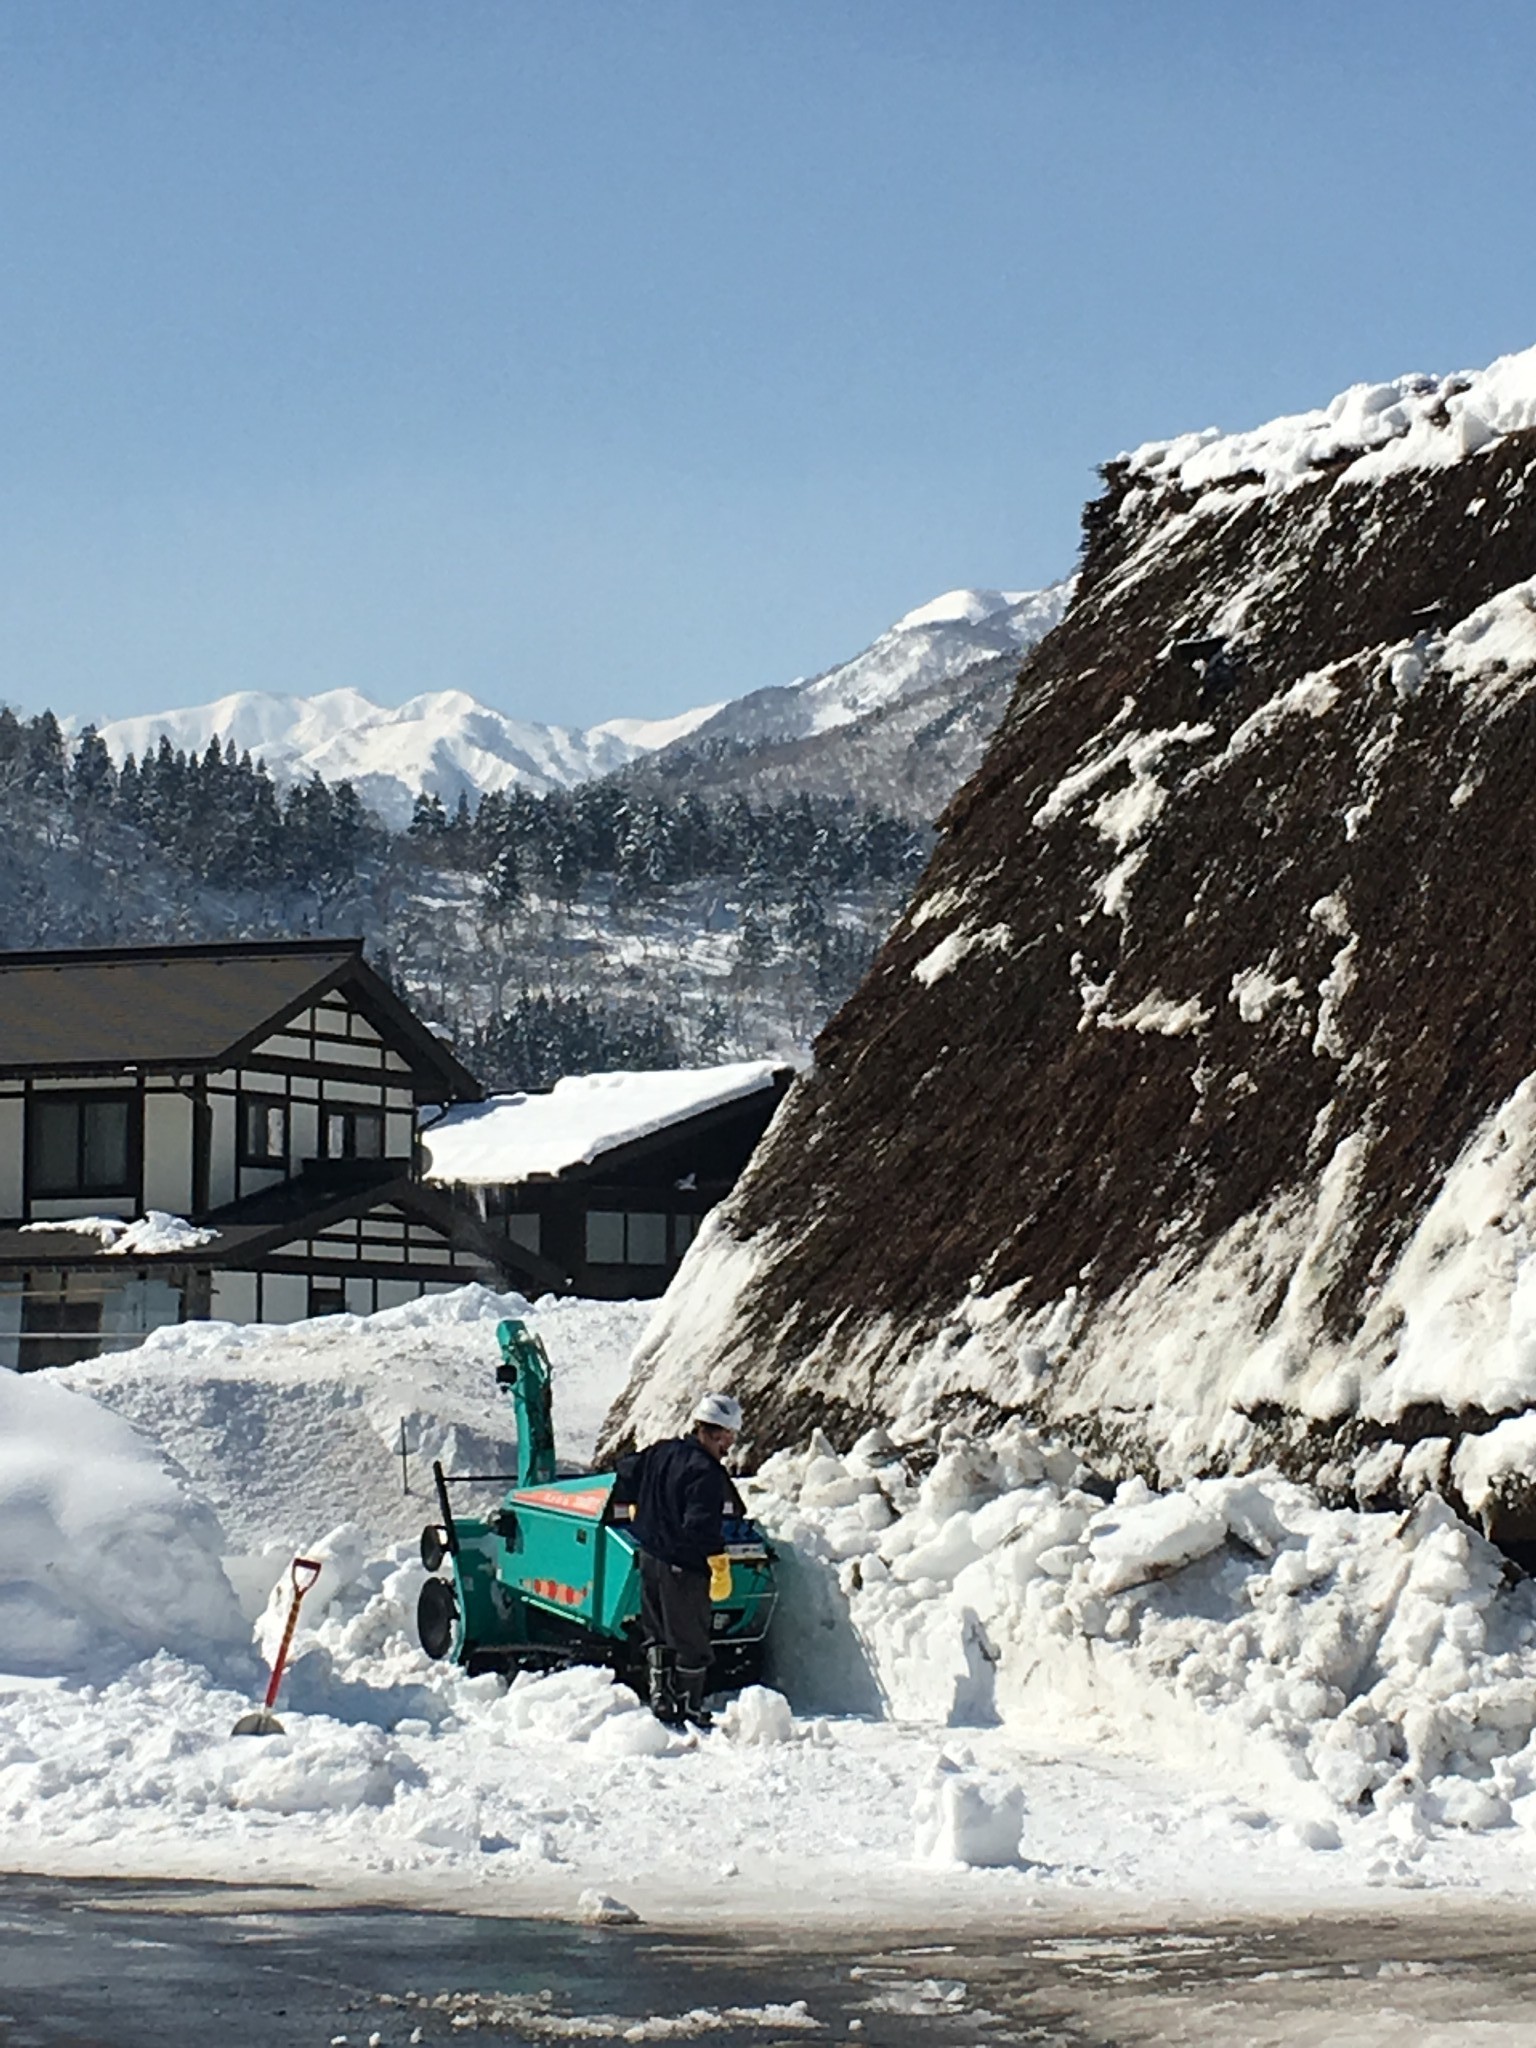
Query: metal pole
[{"x": 405, "y": 1475}]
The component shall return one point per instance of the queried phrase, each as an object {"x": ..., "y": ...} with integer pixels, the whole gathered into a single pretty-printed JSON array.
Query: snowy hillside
[
  {"x": 1191, "y": 1107},
  {"x": 445, "y": 743}
]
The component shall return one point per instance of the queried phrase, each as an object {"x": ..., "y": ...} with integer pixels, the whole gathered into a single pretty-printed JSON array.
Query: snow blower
[
  {"x": 261, "y": 1720},
  {"x": 550, "y": 1577}
]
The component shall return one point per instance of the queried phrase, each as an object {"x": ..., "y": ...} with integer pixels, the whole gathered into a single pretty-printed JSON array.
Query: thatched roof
[{"x": 1222, "y": 974}]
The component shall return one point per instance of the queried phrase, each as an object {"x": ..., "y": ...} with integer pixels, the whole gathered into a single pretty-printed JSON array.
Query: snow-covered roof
[
  {"x": 525, "y": 1137},
  {"x": 1409, "y": 423}
]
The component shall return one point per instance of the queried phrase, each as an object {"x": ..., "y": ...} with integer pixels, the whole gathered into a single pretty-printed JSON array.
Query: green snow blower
[{"x": 550, "y": 1577}]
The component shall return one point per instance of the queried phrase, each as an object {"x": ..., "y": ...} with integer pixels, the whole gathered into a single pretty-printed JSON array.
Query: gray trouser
[{"x": 675, "y": 1610}]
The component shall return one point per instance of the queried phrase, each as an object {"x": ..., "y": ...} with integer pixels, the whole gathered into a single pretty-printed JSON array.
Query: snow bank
[
  {"x": 288, "y": 1430},
  {"x": 103, "y": 1556},
  {"x": 1344, "y": 1658}
]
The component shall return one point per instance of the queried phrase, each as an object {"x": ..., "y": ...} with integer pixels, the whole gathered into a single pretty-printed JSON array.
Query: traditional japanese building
[
  {"x": 227, "y": 1130},
  {"x": 605, "y": 1179}
]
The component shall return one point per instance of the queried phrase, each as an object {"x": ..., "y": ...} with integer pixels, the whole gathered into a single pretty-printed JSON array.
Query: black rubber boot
[
  {"x": 666, "y": 1699},
  {"x": 691, "y": 1681}
]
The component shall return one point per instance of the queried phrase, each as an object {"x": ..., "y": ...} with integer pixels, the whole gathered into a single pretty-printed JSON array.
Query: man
[{"x": 681, "y": 1495}]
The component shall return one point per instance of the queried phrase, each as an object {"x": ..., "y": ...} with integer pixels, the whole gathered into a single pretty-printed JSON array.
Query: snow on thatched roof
[
  {"x": 529, "y": 1137},
  {"x": 1367, "y": 432}
]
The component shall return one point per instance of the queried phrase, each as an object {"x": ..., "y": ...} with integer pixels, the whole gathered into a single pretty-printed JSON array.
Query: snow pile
[
  {"x": 103, "y": 1557},
  {"x": 1361, "y": 1659},
  {"x": 526, "y": 1137},
  {"x": 287, "y": 1430},
  {"x": 150, "y": 1235},
  {"x": 1413, "y": 422}
]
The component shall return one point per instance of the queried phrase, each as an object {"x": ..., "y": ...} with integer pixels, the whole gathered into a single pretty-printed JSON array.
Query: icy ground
[{"x": 992, "y": 1689}]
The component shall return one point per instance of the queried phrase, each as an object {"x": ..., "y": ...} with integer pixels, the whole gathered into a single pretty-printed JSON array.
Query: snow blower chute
[{"x": 549, "y": 1578}]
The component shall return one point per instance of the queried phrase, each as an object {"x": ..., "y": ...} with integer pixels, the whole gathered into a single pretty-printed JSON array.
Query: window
[
  {"x": 354, "y": 1134},
  {"x": 79, "y": 1145},
  {"x": 684, "y": 1230},
  {"x": 619, "y": 1237},
  {"x": 327, "y": 1298},
  {"x": 263, "y": 1131},
  {"x": 523, "y": 1229},
  {"x": 58, "y": 1331}
]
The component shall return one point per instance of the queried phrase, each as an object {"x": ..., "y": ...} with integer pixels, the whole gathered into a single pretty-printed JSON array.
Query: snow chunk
[
  {"x": 1150, "y": 1539},
  {"x": 601, "y": 1909},
  {"x": 1482, "y": 1463},
  {"x": 758, "y": 1717},
  {"x": 968, "y": 1817}
]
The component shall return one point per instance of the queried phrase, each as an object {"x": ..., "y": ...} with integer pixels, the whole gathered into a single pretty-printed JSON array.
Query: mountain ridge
[{"x": 447, "y": 744}]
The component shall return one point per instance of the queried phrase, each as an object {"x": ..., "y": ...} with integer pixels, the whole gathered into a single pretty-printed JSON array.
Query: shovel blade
[{"x": 261, "y": 1722}]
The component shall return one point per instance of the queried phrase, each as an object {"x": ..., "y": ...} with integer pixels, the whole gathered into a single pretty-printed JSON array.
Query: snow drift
[{"x": 1189, "y": 1109}]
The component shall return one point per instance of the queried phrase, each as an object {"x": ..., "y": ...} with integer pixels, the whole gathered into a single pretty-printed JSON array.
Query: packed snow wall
[{"x": 1189, "y": 1111}]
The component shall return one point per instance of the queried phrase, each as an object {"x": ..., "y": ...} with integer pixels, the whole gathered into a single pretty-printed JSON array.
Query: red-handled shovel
[{"x": 262, "y": 1721}]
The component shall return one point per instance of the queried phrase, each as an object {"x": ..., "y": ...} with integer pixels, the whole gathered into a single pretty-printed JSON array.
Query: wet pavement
[{"x": 158, "y": 1966}]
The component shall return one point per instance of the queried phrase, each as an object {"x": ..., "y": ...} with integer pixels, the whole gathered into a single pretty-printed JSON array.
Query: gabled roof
[
  {"x": 582, "y": 1119},
  {"x": 107, "y": 1009}
]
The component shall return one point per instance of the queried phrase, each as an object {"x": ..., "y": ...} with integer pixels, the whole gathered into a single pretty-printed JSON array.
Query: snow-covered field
[{"x": 992, "y": 1688}]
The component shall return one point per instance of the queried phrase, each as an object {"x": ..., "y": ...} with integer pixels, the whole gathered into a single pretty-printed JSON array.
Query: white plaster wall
[
  {"x": 395, "y": 1293},
  {"x": 221, "y": 1171},
  {"x": 284, "y": 1298},
  {"x": 234, "y": 1297},
  {"x": 168, "y": 1153},
  {"x": 360, "y": 1297},
  {"x": 12, "y": 1140}
]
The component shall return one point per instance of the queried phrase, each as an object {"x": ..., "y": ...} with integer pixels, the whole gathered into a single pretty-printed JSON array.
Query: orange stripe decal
[{"x": 590, "y": 1501}]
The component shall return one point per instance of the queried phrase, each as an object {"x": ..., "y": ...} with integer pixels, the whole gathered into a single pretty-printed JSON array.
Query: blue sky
[{"x": 604, "y": 357}]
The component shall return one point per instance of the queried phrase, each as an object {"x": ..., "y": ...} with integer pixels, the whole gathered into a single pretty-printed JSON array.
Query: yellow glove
[{"x": 720, "y": 1577}]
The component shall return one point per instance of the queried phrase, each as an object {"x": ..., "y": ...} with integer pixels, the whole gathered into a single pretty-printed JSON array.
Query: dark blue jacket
[{"x": 681, "y": 1497}]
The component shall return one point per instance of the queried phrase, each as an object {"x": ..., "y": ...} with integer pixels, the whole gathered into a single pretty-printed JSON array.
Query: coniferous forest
[{"x": 604, "y": 926}]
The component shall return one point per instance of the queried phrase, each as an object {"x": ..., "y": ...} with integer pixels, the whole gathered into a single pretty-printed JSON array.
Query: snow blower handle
[{"x": 304, "y": 1572}]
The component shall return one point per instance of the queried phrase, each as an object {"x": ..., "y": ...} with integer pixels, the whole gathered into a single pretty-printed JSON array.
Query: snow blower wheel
[
  {"x": 437, "y": 1615},
  {"x": 434, "y": 1546}
]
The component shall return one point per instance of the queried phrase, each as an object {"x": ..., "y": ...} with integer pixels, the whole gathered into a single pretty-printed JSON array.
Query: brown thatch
[{"x": 973, "y": 1133}]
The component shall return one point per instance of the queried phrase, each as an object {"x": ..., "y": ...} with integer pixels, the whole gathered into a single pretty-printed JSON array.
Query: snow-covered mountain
[
  {"x": 932, "y": 645},
  {"x": 445, "y": 743},
  {"x": 1190, "y": 1109},
  {"x": 448, "y": 744}
]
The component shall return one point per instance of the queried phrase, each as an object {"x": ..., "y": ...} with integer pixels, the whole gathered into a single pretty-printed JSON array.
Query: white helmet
[{"x": 720, "y": 1411}]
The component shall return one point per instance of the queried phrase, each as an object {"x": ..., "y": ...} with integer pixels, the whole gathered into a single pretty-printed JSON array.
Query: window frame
[
  {"x": 350, "y": 1114},
  {"x": 256, "y": 1099},
  {"x": 626, "y": 1217},
  {"x": 82, "y": 1187}
]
